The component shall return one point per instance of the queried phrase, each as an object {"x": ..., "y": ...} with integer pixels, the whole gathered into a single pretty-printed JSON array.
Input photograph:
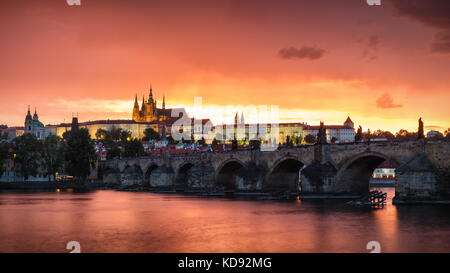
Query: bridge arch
[
  {"x": 148, "y": 172},
  {"x": 135, "y": 168},
  {"x": 354, "y": 174},
  {"x": 226, "y": 173},
  {"x": 181, "y": 176},
  {"x": 283, "y": 175},
  {"x": 109, "y": 174}
]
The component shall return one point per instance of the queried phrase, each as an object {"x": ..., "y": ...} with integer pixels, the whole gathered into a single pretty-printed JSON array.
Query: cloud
[
  {"x": 386, "y": 101},
  {"x": 432, "y": 13},
  {"x": 371, "y": 47},
  {"x": 306, "y": 52},
  {"x": 442, "y": 42},
  {"x": 434, "y": 127}
]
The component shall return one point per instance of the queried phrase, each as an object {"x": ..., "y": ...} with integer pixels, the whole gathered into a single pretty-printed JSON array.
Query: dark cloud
[
  {"x": 371, "y": 47},
  {"x": 386, "y": 101},
  {"x": 306, "y": 52},
  {"x": 432, "y": 13},
  {"x": 442, "y": 42}
]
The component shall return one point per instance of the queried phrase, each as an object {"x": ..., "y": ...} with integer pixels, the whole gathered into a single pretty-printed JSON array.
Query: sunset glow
[{"x": 385, "y": 66}]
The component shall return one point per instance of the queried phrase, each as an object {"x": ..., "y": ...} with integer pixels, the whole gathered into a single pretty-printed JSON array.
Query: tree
[
  {"x": 404, "y": 135},
  {"x": 66, "y": 135},
  {"x": 133, "y": 148},
  {"x": 150, "y": 134},
  {"x": 53, "y": 154},
  {"x": 378, "y": 134},
  {"x": 420, "y": 134},
  {"x": 80, "y": 154},
  {"x": 3, "y": 136},
  {"x": 113, "y": 152},
  {"x": 447, "y": 133},
  {"x": 103, "y": 134},
  {"x": 5, "y": 154},
  {"x": 359, "y": 134},
  {"x": 310, "y": 139},
  {"x": 116, "y": 134},
  {"x": 27, "y": 149},
  {"x": 125, "y": 136}
]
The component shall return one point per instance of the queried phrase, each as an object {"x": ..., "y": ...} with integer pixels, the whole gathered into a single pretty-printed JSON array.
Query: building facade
[{"x": 335, "y": 133}]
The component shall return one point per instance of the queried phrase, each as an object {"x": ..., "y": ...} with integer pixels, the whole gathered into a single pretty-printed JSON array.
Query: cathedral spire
[
  {"x": 151, "y": 93},
  {"x": 136, "y": 105},
  {"x": 136, "y": 112},
  {"x": 28, "y": 117},
  {"x": 35, "y": 116}
]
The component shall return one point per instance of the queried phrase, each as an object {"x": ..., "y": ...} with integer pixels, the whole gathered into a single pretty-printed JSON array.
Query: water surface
[{"x": 111, "y": 221}]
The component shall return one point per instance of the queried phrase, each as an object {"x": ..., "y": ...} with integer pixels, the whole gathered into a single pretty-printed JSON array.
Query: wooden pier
[{"x": 375, "y": 199}]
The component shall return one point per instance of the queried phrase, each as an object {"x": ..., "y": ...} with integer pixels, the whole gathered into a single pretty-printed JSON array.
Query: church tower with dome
[{"x": 34, "y": 126}]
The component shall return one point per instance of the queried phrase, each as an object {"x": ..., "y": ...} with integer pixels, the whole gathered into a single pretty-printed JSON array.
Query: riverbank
[
  {"x": 48, "y": 186},
  {"x": 88, "y": 186},
  {"x": 205, "y": 193},
  {"x": 92, "y": 186}
]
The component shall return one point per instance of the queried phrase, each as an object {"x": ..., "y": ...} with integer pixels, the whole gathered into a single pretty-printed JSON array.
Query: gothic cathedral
[{"x": 148, "y": 111}]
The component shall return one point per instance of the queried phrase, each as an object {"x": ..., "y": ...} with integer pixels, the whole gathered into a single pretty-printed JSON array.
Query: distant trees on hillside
[{"x": 150, "y": 134}]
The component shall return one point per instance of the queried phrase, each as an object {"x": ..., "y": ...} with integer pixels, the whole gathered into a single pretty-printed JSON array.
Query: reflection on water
[{"x": 110, "y": 221}]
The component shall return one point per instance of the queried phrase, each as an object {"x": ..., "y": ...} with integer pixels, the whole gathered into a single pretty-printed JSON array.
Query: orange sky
[{"x": 385, "y": 66}]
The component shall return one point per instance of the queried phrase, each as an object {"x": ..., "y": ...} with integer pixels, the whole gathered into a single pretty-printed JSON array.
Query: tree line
[{"x": 74, "y": 155}]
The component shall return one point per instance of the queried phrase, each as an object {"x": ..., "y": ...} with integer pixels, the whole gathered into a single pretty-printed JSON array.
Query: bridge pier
[
  {"x": 132, "y": 175},
  {"x": 200, "y": 177},
  {"x": 419, "y": 180},
  {"x": 162, "y": 177},
  {"x": 318, "y": 180}
]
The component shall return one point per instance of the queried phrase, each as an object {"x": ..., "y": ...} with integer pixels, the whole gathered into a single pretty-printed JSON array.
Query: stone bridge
[{"x": 327, "y": 170}]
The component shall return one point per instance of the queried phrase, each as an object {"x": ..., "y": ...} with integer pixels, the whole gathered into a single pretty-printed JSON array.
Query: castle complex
[
  {"x": 148, "y": 115},
  {"x": 144, "y": 116}
]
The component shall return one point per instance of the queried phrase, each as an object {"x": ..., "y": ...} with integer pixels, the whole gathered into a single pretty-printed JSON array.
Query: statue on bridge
[{"x": 322, "y": 134}]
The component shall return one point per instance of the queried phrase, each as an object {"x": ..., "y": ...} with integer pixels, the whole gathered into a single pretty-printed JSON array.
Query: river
[{"x": 113, "y": 221}]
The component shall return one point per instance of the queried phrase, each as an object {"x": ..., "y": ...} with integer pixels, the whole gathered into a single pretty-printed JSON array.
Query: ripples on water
[{"x": 110, "y": 221}]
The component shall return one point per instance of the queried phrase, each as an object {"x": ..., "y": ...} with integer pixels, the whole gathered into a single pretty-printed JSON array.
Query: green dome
[{"x": 37, "y": 123}]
